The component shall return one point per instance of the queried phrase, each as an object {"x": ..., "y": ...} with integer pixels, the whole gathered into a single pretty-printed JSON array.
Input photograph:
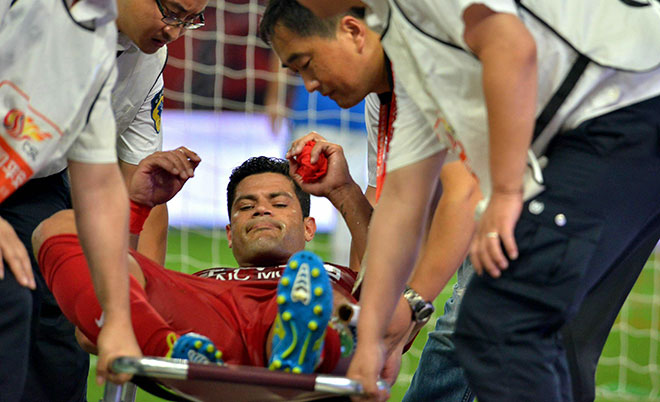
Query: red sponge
[{"x": 308, "y": 171}]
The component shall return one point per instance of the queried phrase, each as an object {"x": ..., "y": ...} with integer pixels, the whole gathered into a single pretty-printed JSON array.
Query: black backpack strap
[{"x": 560, "y": 95}]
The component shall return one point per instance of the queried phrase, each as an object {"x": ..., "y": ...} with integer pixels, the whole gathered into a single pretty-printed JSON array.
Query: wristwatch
[{"x": 421, "y": 309}]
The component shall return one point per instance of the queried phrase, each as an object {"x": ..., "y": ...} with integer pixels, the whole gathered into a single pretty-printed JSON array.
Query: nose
[
  {"x": 311, "y": 84},
  {"x": 262, "y": 209},
  {"x": 172, "y": 32}
]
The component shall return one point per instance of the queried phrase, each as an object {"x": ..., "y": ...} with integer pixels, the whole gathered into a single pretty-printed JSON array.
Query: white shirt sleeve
[
  {"x": 143, "y": 136},
  {"x": 96, "y": 142},
  {"x": 498, "y": 6},
  {"x": 413, "y": 138}
]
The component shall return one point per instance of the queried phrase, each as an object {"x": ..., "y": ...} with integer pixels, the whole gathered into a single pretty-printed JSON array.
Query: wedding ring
[{"x": 492, "y": 235}]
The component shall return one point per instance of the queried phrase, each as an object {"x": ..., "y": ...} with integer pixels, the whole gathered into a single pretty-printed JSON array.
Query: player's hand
[
  {"x": 496, "y": 228},
  {"x": 366, "y": 365},
  {"x": 161, "y": 175},
  {"x": 337, "y": 176},
  {"x": 14, "y": 253},
  {"x": 116, "y": 339}
]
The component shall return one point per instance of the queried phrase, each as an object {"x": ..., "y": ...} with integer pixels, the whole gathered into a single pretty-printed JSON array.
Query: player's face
[
  {"x": 335, "y": 67},
  {"x": 266, "y": 223},
  {"x": 141, "y": 20}
]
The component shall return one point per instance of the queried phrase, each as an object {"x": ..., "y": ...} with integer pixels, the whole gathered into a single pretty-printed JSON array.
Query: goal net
[{"x": 227, "y": 99}]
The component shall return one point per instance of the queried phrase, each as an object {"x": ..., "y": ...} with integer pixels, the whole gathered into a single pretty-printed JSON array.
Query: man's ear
[
  {"x": 228, "y": 231},
  {"x": 355, "y": 28},
  {"x": 310, "y": 228}
]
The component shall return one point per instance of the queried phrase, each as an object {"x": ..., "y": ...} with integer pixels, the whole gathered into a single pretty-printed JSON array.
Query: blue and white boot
[
  {"x": 304, "y": 298},
  {"x": 194, "y": 347}
]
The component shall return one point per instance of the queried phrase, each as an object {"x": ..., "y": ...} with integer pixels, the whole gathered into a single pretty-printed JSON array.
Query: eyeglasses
[{"x": 170, "y": 19}]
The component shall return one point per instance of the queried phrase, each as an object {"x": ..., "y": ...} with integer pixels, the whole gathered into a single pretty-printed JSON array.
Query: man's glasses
[{"x": 170, "y": 19}]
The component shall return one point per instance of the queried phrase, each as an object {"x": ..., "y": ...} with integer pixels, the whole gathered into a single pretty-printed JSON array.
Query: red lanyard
[{"x": 386, "y": 118}]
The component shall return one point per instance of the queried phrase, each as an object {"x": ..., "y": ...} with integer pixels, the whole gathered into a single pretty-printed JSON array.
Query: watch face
[{"x": 424, "y": 314}]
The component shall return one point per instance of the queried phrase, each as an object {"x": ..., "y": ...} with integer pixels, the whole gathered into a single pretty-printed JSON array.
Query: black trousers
[
  {"x": 40, "y": 359},
  {"x": 601, "y": 207},
  {"x": 585, "y": 335}
]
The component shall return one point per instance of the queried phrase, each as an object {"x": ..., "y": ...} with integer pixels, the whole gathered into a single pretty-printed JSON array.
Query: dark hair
[
  {"x": 299, "y": 20},
  {"x": 264, "y": 164}
]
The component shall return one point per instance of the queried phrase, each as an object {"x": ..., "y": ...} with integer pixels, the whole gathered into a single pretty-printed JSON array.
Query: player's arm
[
  {"x": 393, "y": 241},
  {"x": 508, "y": 54},
  {"x": 158, "y": 178},
  {"x": 152, "y": 241},
  {"x": 140, "y": 139}
]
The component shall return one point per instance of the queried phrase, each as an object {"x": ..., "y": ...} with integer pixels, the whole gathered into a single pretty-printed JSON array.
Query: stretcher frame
[{"x": 187, "y": 381}]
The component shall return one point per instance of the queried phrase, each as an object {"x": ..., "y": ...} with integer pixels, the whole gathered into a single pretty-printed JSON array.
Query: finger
[
  {"x": 118, "y": 378},
  {"x": 474, "y": 257},
  {"x": 180, "y": 159},
  {"x": 101, "y": 371},
  {"x": 192, "y": 156},
  {"x": 319, "y": 147},
  {"x": 509, "y": 242},
  {"x": 297, "y": 146},
  {"x": 293, "y": 166},
  {"x": 494, "y": 248},
  {"x": 383, "y": 395},
  {"x": 19, "y": 263},
  {"x": 165, "y": 161},
  {"x": 486, "y": 262},
  {"x": 183, "y": 163}
]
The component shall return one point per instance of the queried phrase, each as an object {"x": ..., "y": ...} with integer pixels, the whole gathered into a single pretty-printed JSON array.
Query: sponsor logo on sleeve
[{"x": 157, "y": 110}]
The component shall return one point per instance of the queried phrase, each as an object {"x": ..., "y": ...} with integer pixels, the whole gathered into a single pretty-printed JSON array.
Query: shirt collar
[{"x": 124, "y": 43}]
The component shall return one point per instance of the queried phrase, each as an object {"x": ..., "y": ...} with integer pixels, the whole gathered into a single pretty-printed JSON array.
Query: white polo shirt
[
  {"x": 424, "y": 40},
  {"x": 414, "y": 140},
  {"x": 57, "y": 70},
  {"x": 137, "y": 101}
]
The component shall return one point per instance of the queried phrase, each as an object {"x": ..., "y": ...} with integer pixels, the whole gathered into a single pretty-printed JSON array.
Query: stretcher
[{"x": 181, "y": 380}]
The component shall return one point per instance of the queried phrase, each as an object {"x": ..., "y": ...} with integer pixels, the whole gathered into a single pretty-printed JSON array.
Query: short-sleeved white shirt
[
  {"x": 424, "y": 40},
  {"x": 138, "y": 101},
  {"x": 57, "y": 70},
  {"x": 412, "y": 139}
]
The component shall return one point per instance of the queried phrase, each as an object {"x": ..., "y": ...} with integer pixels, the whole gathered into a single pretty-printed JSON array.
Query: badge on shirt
[
  {"x": 27, "y": 137},
  {"x": 157, "y": 110}
]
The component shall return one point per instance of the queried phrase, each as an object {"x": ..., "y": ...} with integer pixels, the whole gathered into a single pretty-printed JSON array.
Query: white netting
[{"x": 217, "y": 88}]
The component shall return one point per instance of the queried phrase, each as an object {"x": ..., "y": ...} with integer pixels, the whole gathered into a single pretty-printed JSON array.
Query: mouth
[
  {"x": 158, "y": 43},
  {"x": 262, "y": 226}
]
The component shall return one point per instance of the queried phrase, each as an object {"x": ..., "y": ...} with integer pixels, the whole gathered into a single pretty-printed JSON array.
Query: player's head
[
  {"x": 268, "y": 213},
  {"x": 340, "y": 57},
  {"x": 151, "y": 24}
]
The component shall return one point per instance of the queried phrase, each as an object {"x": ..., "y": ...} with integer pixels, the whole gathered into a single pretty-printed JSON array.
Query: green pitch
[{"x": 193, "y": 250}]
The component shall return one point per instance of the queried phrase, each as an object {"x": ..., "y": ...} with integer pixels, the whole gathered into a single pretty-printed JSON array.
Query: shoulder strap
[{"x": 560, "y": 95}]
